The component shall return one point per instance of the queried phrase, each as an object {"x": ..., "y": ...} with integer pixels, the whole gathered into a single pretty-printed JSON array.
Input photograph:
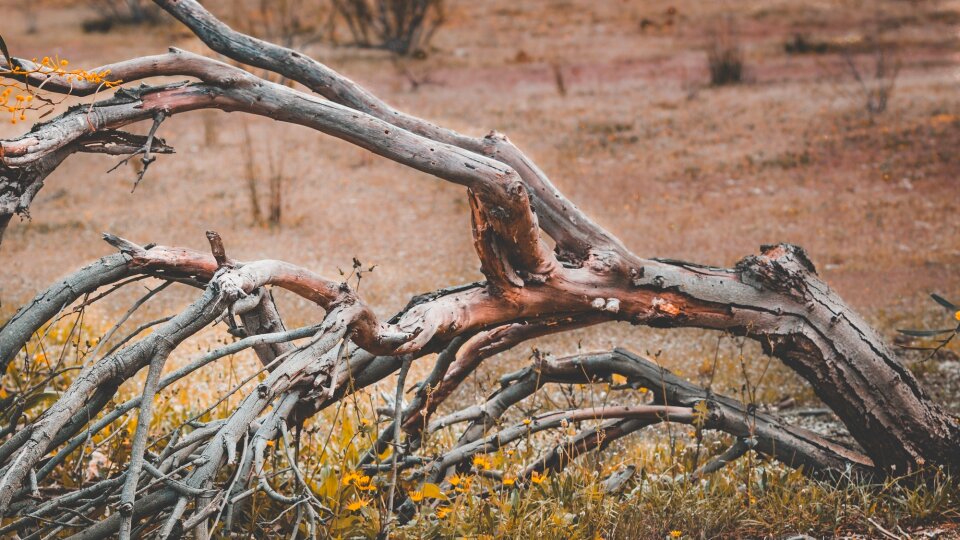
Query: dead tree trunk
[{"x": 775, "y": 298}]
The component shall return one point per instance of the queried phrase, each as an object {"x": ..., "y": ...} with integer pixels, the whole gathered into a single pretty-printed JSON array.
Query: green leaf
[
  {"x": 944, "y": 302},
  {"x": 927, "y": 333}
]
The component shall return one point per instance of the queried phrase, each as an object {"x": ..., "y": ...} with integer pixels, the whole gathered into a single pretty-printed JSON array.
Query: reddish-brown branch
[
  {"x": 774, "y": 298},
  {"x": 370, "y": 333}
]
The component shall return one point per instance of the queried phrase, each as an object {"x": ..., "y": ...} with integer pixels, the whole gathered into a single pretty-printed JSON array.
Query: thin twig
[
  {"x": 397, "y": 410},
  {"x": 128, "y": 494}
]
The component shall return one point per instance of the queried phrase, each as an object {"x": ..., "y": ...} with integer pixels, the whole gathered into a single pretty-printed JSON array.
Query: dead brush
[
  {"x": 531, "y": 290},
  {"x": 114, "y": 13},
  {"x": 866, "y": 68},
  {"x": 276, "y": 183},
  {"x": 403, "y": 27},
  {"x": 875, "y": 74},
  {"x": 292, "y": 23},
  {"x": 725, "y": 56}
]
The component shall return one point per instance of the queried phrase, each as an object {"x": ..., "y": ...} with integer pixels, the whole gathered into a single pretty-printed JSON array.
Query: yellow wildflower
[
  {"x": 349, "y": 478},
  {"x": 675, "y": 534},
  {"x": 415, "y": 496},
  {"x": 363, "y": 484},
  {"x": 358, "y": 504},
  {"x": 462, "y": 483},
  {"x": 538, "y": 478},
  {"x": 482, "y": 462},
  {"x": 358, "y": 480}
]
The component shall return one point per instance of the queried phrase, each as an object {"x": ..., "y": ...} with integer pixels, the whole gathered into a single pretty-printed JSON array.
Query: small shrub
[
  {"x": 875, "y": 74},
  {"x": 276, "y": 184},
  {"x": 291, "y": 23},
  {"x": 113, "y": 13},
  {"x": 800, "y": 44},
  {"x": 725, "y": 57},
  {"x": 404, "y": 27}
]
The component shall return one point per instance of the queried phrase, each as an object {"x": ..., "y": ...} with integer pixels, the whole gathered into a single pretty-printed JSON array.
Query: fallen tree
[{"x": 530, "y": 290}]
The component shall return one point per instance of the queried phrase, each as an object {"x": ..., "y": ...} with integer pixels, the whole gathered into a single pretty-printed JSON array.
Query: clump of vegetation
[
  {"x": 404, "y": 27},
  {"x": 725, "y": 57},
  {"x": 749, "y": 498},
  {"x": 291, "y": 23},
  {"x": 801, "y": 44},
  {"x": 276, "y": 182},
  {"x": 875, "y": 74},
  {"x": 637, "y": 488},
  {"x": 113, "y": 13}
]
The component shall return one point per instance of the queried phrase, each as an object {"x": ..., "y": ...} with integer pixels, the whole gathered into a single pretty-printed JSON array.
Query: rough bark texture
[{"x": 775, "y": 298}]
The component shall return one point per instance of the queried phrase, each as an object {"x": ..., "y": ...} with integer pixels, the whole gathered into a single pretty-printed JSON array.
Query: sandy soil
[{"x": 637, "y": 138}]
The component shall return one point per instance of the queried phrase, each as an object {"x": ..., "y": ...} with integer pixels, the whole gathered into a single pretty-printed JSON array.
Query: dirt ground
[{"x": 612, "y": 99}]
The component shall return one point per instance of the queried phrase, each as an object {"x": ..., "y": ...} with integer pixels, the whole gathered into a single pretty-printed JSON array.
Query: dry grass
[
  {"x": 705, "y": 175},
  {"x": 753, "y": 497}
]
